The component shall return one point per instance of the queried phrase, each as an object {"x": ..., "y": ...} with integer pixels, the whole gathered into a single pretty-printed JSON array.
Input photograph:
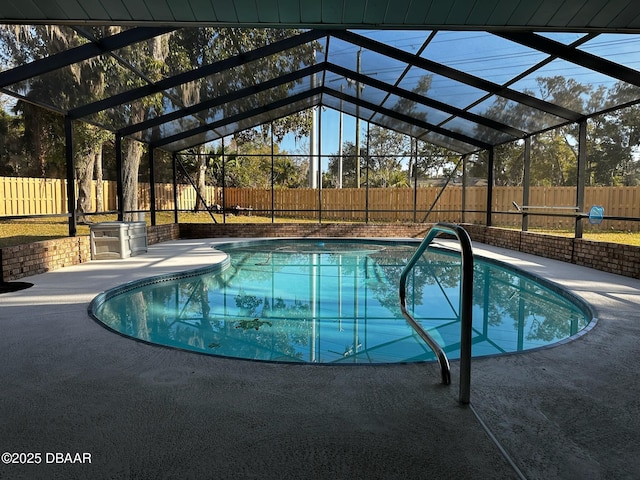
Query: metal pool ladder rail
[{"x": 466, "y": 304}]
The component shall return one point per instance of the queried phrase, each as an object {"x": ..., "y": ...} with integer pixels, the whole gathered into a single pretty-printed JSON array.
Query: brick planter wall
[
  {"x": 254, "y": 230},
  {"x": 549, "y": 246},
  {"x": 163, "y": 233},
  {"x": 609, "y": 257},
  {"x": 39, "y": 257}
]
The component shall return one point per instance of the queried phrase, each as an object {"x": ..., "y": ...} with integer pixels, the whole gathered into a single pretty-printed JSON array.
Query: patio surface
[{"x": 138, "y": 411}]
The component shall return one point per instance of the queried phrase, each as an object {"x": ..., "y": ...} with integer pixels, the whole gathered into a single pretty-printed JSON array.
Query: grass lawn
[
  {"x": 28, "y": 230},
  {"x": 17, "y": 232},
  {"x": 627, "y": 238}
]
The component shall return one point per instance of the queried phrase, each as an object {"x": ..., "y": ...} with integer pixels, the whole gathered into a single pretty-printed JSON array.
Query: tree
[
  {"x": 42, "y": 140},
  {"x": 387, "y": 149},
  {"x": 290, "y": 172},
  {"x": 434, "y": 161},
  {"x": 87, "y": 141},
  {"x": 192, "y": 48},
  {"x": 349, "y": 159},
  {"x": 10, "y": 146},
  {"x": 151, "y": 54},
  {"x": 554, "y": 152},
  {"x": 509, "y": 164},
  {"x": 43, "y": 132},
  {"x": 249, "y": 166},
  {"x": 613, "y": 140}
]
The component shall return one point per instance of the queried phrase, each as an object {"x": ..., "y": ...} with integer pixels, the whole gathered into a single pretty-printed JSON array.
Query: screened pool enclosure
[{"x": 461, "y": 98}]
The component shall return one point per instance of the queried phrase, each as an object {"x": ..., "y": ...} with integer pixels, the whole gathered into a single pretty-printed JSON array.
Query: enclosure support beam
[
  {"x": 119, "y": 182},
  {"x": 464, "y": 189},
  {"x": 319, "y": 168},
  {"x": 224, "y": 184},
  {"x": 174, "y": 160},
  {"x": 340, "y": 131},
  {"x": 71, "y": 188},
  {"x": 273, "y": 179},
  {"x": 526, "y": 182},
  {"x": 313, "y": 143},
  {"x": 368, "y": 166},
  {"x": 152, "y": 186},
  {"x": 582, "y": 162},
  {"x": 359, "y": 54},
  {"x": 490, "y": 165},
  {"x": 457, "y": 75},
  {"x": 414, "y": 152}
]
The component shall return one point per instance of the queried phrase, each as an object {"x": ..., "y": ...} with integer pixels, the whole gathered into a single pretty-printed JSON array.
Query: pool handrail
[{"x": 466, "y": 305}]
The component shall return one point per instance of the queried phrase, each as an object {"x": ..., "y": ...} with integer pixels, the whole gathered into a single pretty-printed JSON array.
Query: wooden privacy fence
[
  {"x": 617, "y": 202},
  {"x": 48, "y": 196},
  {"x": 397, "y": 204},
  {"x": 32, "y": 196}
]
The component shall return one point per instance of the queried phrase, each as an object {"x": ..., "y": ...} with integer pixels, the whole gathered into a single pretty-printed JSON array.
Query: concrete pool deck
[{"x": 68, "y": 385}]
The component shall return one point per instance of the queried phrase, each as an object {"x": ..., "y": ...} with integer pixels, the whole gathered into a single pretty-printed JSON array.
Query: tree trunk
[
  {"x": 84, "y": 177},
  {"x": 130, "y": 167},
  {"x": 38, "y": 148},
  {"x": 139, "y": 316},
  {"x": 158, "y": 51},
  {"x": 201, "y": 174},
  {"x": 99, "y": 190}
]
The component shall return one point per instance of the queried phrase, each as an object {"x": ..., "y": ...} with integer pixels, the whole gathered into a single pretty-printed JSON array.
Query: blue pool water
[{"x": 336, "y": 301}]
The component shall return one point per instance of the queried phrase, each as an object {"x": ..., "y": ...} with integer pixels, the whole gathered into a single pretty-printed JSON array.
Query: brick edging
[
  {"x": 39, "y": 257},
  {"x": 609, "y": 257}
]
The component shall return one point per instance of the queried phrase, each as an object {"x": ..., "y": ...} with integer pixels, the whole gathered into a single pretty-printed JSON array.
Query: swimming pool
[{"x": 336, "y": 301}]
